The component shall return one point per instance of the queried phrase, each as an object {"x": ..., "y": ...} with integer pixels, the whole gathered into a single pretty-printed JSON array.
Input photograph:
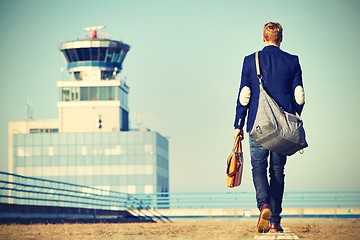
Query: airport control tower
[
  {"x": 94, "y": 98},
  {"x": 91, "y": 143}
]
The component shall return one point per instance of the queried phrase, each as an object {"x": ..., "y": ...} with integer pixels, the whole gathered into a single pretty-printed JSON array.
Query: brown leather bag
[{"x": 235, "y": 165}]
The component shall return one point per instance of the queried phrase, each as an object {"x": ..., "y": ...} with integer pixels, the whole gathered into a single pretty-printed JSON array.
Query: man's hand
[{"x": 239, "y": 132}]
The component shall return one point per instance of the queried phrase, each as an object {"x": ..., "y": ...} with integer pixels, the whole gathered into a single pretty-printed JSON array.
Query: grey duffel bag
[{"x": 274, "y": 128}]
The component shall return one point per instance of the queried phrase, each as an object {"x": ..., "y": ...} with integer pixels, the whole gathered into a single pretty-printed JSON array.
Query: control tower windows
[
  {"x": 65, "y": 94},
  {"x": 86, "y": 54},
  {"x": 93, "y": 94},
  {"x": 112, "y": 93},
  {"x": 101, "y": 54},
  {"x": 72, "y": 55},
  {"x": 69, "y": 94},
  {"x": 106, "y": 75},
  {"x": 121, "y": 56},
  {"x": 103, "y": 93},
  {"x": 75, "y": 93},
  {"x": 116, "y": 56},
  {"x": 112, "y": 55},
  {"x": 79, "y": 52},
  {"x": 66, "y": 56},
  {"x": 84, "y": 94},
  {"x": 107, "y": 93},
  {"x": 95, "y": 54},
  {"x": 109, "y": 55},
  {"x": 77, "y": 75}
]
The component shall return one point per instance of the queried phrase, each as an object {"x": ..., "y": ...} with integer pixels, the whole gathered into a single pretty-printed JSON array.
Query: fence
[
  {"x": 17, "y": 189},
  {"x": 22, "y": 190},
  {"x": 238, "y": 199}
]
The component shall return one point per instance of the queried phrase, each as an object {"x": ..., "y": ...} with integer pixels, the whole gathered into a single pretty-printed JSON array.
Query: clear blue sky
[{"x": 183, "y": 70}]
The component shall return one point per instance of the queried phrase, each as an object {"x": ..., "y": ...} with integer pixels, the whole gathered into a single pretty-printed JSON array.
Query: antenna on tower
[
  {"x": 139, "y": 120},
  {"x": 136, "y": 120},
  {"x": 29, "y": 108},
  {"x": 94, "y": 30}
]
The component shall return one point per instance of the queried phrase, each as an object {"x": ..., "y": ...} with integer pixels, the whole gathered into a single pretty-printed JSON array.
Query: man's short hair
[{"x": 273, "y": 32}]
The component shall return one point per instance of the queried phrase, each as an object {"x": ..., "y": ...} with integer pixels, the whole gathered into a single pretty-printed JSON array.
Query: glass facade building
[{"x": 130, "y": 162}]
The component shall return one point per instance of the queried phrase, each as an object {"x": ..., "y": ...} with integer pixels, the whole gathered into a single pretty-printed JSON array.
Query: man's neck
[{"x": 268, "y": 43}]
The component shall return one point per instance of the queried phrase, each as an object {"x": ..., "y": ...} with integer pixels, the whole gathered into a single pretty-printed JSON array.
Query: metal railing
[
  {"x": 17, "y": 189},
  {"x": 238, "y": 199},
  {"x": 22, "y": 190}
]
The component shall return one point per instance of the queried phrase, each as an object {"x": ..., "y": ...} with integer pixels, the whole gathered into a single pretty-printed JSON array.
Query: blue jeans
[{"x": 268, "y": 193}]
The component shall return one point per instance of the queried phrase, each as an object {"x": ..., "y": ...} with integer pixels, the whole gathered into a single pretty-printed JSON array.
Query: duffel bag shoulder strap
[{"x": 257, "y": 65}]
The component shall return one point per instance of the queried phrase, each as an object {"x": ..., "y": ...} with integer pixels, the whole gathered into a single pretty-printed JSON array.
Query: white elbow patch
[
  {"x": 244, "y": 96},
  {"x": 299, "y": 95}
]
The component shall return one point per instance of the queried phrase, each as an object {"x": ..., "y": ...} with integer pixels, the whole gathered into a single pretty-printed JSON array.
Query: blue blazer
[{"x": 281, "y": 74}]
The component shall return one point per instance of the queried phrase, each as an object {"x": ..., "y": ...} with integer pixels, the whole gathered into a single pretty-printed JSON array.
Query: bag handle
[
  {"x": 233, "y": 172},
  {"x": 237, "y": 155}
]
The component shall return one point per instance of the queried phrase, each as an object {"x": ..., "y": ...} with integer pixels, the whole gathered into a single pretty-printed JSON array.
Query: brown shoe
[
  {"x": 263, "y": 222},
  {"x": 276, "y": 228}
]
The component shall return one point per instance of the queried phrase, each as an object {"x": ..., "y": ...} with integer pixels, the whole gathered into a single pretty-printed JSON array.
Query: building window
[
  {"x": 65, "y": 94},
  {"x": 95, "y": 54},
  {"x": 80, "y": 54},
  {"x": 72, "y": 55},
  {"x": 24, "y": 152},
  {"x": 149, "y": 189},
  {"x": 148, "y": 148},
  {"x": 77, "y": 75},
  {"x": 131, "y": 189},
  {"x": 94, "y": 93},
  {"x": 106, "y": 75},
  {"x": 50, "y": 151},
  {"x": 103, "y": 93},
  {"x": 97, "y": 93},
  {"x": 109, "y": 55},
  {"x": 116, "y": 150},
  {"x": 44, "y": 130},
  {"x": 116, "y": 56},
  {"x": 84, "y": 151},
  {"x": 75, "y": 93},
  {"x": 102, "y": 54},
  {"x": 84, "y": 94},
  {"x": 69, "y": 94},
  {"x": 112, "y": 93},
  {"x": 85, "y": 54}
]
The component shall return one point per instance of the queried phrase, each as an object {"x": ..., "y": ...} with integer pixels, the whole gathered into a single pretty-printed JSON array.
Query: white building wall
[
  {"x": 82, "y": 118},
  {"x": 24, "y": 127}
]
